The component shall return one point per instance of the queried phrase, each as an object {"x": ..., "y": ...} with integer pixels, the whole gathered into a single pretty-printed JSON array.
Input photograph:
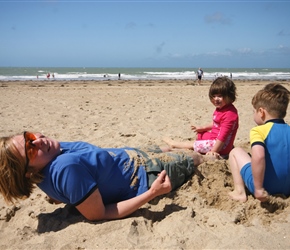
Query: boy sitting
[{"x": 267, "y": 171}]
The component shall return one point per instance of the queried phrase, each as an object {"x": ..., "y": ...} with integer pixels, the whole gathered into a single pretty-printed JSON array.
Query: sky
[{"x": 185, "y": 34}]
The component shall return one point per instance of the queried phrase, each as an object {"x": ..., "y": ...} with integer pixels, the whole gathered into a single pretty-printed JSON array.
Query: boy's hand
[{"x": 261, "y": 194}]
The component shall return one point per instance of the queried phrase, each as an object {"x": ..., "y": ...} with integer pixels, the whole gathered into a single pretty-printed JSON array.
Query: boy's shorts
[
  {"x": 273, "y": 183},
  {"x": 246, "y": 173}
]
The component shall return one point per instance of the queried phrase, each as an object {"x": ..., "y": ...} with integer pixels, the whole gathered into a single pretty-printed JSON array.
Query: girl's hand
[
  {"x": 214, "y": 154},
  {"x": 196, "y": 129},
  {"x": 193, "y": 127}
]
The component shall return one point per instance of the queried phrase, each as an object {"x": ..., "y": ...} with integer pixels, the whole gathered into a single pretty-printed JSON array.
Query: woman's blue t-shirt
[{"x": 82, "y": 168}]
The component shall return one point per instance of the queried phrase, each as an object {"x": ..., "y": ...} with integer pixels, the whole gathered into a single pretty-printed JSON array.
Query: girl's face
[{"x": 219, "y": 101}]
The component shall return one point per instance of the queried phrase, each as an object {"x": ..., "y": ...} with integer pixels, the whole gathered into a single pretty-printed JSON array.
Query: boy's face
[{"x": 258, "y": 116}]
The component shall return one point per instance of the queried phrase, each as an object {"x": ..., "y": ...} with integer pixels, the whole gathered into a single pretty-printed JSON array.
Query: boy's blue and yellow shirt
[{"x": 274, "y": 136}]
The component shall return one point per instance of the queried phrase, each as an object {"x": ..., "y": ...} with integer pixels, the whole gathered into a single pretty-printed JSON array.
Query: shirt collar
[{"x": 281, "y": 121}]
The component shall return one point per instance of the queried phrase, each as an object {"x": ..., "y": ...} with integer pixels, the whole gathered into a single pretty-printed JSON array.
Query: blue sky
[{"x": 145, "y": 33}]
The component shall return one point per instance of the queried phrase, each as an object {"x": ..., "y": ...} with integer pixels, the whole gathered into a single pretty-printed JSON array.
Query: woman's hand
[{"x": 161, "y": 185}]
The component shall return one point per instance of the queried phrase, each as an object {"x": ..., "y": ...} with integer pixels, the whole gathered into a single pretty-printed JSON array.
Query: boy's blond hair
[{"x": 274, "y": 98}]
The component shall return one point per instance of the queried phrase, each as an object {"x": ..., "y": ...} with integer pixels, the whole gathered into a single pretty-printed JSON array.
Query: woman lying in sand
[{"x": 102, "y": 183}]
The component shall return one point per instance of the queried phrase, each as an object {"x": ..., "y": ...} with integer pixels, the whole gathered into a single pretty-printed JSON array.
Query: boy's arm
[{"x": 258, "y": 170}]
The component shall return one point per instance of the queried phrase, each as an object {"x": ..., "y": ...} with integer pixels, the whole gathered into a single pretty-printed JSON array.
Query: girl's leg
[
  {"x": 178, "y": 145},
  {"x": 237, "y": 159}
]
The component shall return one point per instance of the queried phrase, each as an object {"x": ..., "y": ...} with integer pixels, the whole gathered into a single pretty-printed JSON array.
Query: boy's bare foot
[{"x": 234, "y": 195}]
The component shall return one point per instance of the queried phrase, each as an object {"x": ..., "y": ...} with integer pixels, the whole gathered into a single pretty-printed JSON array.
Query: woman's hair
[
  {"x": 274, "y": 98},
  {"x": 225, "y": 87},
  {"x": 14, "y": 184}
]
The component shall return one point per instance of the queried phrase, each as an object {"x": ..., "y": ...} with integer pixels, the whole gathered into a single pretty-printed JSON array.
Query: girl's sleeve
[{"x": 229, "y": 126}]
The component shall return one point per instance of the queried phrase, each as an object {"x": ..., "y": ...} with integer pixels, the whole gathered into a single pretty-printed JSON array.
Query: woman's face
[{"x": 37, "y": 149}]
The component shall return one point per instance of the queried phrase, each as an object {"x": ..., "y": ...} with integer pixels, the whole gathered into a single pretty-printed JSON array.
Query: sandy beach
[{"x": 120, "y": 113}]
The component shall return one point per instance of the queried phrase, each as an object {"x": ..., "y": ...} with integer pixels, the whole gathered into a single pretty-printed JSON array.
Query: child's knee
[{"x": 236, "y": 152}]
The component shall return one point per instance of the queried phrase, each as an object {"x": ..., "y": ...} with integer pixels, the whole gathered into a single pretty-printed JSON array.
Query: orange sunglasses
[{"x": 30, "y": 148}]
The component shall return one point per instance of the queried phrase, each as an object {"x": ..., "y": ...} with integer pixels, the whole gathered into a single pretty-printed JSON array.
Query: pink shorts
[{"x": 203, "y": 146}]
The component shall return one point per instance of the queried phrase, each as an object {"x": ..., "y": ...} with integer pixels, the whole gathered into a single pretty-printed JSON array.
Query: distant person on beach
[
  {"x": 48, "y": 75},
  {"x": 267, "y": 170},
  {"x": 216, "y": 138},
  {"x": 119, "y": 76},
  {"x": 199, "y": 75},
  {"x": 102, "y": 183}
]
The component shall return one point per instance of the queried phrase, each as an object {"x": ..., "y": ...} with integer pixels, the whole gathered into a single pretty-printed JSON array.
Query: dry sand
[{"x": 134, "y": 113}]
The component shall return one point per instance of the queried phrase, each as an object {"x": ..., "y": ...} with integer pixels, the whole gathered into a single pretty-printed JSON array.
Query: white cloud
[
  {"x": 244, "y": 51},
  {"x": 218, "y": 17}
]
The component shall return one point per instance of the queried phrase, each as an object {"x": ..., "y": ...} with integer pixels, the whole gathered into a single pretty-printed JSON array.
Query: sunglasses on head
[{"x": 30, "y": 148}]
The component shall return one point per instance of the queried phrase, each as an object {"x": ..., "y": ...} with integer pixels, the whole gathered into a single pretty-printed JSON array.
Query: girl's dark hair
[{"x": 225, "y": 87}]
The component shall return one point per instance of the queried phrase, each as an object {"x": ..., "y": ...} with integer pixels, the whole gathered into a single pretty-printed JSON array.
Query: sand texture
[{"x": 199, "y": 215}]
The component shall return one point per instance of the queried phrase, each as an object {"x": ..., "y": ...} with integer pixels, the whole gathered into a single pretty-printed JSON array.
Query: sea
[{"x": 100, "y": 74}]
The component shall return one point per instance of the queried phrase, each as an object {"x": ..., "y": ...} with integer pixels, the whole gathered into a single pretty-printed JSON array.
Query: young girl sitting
[{"x": 218, "y": 137}]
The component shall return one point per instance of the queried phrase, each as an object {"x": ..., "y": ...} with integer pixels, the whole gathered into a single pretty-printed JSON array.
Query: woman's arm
[{"x": 93, "y": 207}]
